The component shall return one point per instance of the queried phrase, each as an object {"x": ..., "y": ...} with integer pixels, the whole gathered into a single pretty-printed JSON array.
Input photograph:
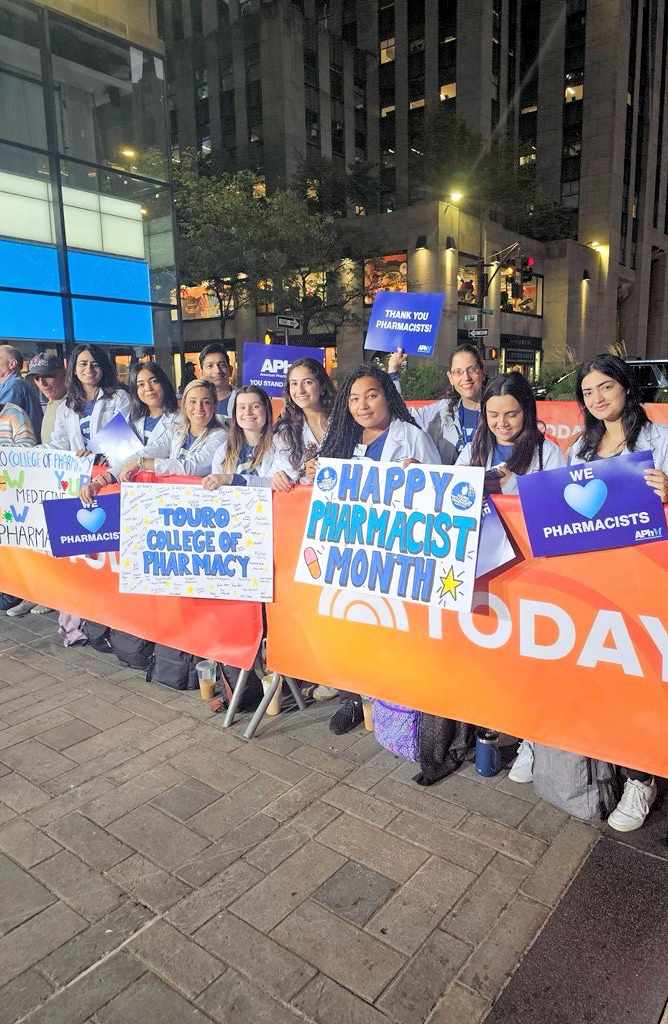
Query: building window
[
  {"x": 385, "y": 274},
  {"x": 468, "y": 283},
  {"x": 338, "y": 138},
  {"x": 448, "y": 91},
  {"x": 387, "y": 111},
  {"x": 312, "y": 119},
  {"x": 530, "y": 302},
  {"x": 196, "y": 17},
  {"x": 387, "y": 50},
  {"x": 573, "y": 93}
]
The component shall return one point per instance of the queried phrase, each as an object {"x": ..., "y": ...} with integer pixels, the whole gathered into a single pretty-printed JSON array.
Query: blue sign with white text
[
  {"x": 75, "y": 529},
  {"x": 406, "y": 320},
  {"x": 592, "y": 506},
  {"x": 266, "y": 366}
]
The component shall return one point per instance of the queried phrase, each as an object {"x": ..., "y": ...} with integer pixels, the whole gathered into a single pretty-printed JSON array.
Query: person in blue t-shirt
[
  {"x": 14, "y": 390},
  {"x": 250, "y": 456},
  {"x": 216, "y": 368},
  {"x": 450, "y": 422}
]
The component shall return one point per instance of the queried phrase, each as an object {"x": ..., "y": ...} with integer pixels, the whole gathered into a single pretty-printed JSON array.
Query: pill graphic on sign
[{"x": 311, "y": 559}]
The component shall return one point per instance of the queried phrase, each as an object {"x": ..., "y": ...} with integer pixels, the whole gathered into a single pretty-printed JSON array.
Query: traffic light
[{"x": 527, "y": 269}]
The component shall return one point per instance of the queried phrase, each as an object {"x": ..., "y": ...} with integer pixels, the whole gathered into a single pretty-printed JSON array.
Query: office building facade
[{"x": 86, "y": 221}]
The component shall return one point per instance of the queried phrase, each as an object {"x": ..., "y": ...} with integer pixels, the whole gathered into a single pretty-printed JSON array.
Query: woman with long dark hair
[
  {"x": 153, "y": 415},
  {"x": 450, "y": 422},
  {"x": 93, "y": 398},
  {"x": 189, "y": 446},
  {"x": 508, "y": 438},
  {"x": 615, "y": 423},
  {"x": 370, "y": 421},
  {"x": 248, "y": 456},
  {"x": 300, "y": 429},
  {"x": 509, "y": 443}
]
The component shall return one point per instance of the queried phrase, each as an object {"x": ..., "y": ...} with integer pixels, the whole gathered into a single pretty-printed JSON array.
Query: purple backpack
[{"x": 397, "y": 729}]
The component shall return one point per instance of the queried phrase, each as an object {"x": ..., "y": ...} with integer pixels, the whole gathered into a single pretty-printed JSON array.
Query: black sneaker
[{"x": 347, "y": 717}]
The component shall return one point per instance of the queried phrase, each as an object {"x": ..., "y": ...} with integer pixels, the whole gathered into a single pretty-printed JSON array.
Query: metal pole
[{"x": 286, "y": 334}]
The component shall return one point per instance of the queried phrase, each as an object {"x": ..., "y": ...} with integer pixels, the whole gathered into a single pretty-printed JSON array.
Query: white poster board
[
  {"x": 376, "y": 528},
  {"x": 179, "y": 540}
]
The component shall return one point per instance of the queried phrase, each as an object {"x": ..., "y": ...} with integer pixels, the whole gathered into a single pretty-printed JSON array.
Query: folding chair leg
[
  {"x": 236, "y": 698},
  {"x": 259, "y": 712},
  {"x": 296, "y": 691}
]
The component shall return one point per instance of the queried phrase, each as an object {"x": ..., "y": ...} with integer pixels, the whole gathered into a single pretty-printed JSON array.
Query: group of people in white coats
[{"x": 226, "y": 436}]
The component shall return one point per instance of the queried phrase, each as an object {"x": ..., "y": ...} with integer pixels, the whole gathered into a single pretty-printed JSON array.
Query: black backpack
[
  {"x": 444, "y": 746},
  {"x": 131, "y": 650},
  {"x": 98, "y": 635},
  {"x": 173, "y": 668}
]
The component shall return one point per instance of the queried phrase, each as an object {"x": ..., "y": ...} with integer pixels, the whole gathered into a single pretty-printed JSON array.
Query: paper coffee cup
[{"x": 274, "y": 707}]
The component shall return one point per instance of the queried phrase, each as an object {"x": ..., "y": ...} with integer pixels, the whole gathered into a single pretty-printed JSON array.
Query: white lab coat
[
  {"x": 442, "y": 426},
  {"x": 553, "y": 458},
  {"x": 406, "y": 441},
  {"x": 283, "y": 451},
  {"x": 274, "y": 460},
  {"x": 161, "y": 432},
  {"x": 653, "y": 438},
  {"x": 66, "y": 432},
  {"x": 172, "y": 459}
]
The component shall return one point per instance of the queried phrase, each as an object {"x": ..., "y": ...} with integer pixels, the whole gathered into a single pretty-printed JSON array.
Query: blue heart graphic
[
  {"x": 91, "y": 518},
  {"x": 587, "y": 499}
]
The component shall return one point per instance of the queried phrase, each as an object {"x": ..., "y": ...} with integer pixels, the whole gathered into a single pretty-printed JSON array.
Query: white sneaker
[
  {"x": 40, "y": 609},
  {"x": 522, "y": 767},
  {"x": 20, "y": 609},
  {"x": 634, "y": 806}
]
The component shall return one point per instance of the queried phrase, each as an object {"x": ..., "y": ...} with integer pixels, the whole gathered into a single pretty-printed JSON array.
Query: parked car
[{"x": 650, "y": 376}]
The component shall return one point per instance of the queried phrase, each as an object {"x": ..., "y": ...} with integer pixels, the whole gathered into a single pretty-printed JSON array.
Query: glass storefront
[{"x": 86, "y": 222}]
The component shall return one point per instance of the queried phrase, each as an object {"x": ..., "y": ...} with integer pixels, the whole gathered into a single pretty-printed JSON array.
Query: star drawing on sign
[{"x": 450, "y": 585}]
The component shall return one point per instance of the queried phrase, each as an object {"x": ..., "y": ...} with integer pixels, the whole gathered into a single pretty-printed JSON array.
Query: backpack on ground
[
  {"x": 444, "y": 747},
  {"x": 131, "y": 650},
  {"x": 172, "y": 668},
  {"x": 582, "y": 786},
  {"x": 97, "y": 635},
  {"x": 397, "y": 729}
]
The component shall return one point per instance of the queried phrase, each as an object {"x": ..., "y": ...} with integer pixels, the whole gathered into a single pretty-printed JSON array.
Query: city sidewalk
[{"x": 155, "y": 867}]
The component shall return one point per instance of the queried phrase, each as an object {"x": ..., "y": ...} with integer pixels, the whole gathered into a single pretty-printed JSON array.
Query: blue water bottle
[{"x": 487, "y": 753}]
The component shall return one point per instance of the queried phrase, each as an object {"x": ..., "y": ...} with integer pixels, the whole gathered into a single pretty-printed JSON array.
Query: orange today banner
[{"x": 570, "y": 651}]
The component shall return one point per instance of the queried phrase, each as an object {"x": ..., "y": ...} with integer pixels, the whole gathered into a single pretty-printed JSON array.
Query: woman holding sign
[
  {"x": 153, "y": 413},
  {"x": 452, "y": 421},
  {"x": 370, "y": 421},
  {"x": 309, "y": 396},
  {"x": 92, "y": 399},
  {"x": 508, "y": 441},
  {"x": 249, "y": 457},
  {"x": 615, "y": 423},
  {"x": 187, "y": 448}
]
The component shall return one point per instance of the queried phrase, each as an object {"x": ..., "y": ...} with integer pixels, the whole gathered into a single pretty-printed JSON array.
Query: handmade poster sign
[
  {"x": 407, "y": 320},
  {"x": 494, "y": 548},
  {"x": 266, "y": 366},
  {"x": 29, "y": 476},
  {"x": 592, "y": 506},
  {"x": 376, "y": 528},
  {"x": 76, "y": 529},
  {"x": 183, "y": 541}
]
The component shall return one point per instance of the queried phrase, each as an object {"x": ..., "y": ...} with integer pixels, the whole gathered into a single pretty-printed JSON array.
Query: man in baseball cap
[{"x": 48, "y": 373}]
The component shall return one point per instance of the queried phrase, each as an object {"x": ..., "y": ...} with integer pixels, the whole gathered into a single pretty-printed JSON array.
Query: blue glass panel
[
  {"x": 95, "y": 274},
  {"x": 37, "y": 317},
  {"x": 27, "y": 265},
  {"x": 112, "y": 323}
]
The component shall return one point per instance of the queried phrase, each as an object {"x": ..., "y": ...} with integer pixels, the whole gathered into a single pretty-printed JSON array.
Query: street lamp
[{"x": 456, "y": 196}]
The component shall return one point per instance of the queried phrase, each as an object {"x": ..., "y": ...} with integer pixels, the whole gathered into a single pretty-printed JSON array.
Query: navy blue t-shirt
[
  {"x": 222, "y": 406},
  {"x": 501, "y": 453},
  {"x": 468, "y": 421},
  {"x": 188, "y": 443},
  {"x": 375, "y": 449},
  {"x": 243, "y": 470},
  {"x": 150, "y": 422},
  {"x": 84, "y": 419}
]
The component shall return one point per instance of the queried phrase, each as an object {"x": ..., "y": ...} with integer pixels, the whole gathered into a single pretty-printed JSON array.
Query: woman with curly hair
[{"x": 309, "y": 397}]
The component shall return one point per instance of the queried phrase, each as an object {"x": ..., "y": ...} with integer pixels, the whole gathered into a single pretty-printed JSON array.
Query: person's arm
[
  {"x": 553, "y": 457},
  {"x": 23, "y": 435},
  {"x": 196, "y": 462},
  {"x": 424, "y": 449}
]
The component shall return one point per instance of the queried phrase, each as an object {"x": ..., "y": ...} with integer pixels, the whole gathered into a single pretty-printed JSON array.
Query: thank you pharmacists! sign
[
  {"x": 266, "y": 366},
  {"x": 182, "y": 541},
  {"x": 593, "y": 505},
  {"x": 29, "y": 476},
  {"x": 407, "y": 320},
  {"x": 376, "y": 528}
]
